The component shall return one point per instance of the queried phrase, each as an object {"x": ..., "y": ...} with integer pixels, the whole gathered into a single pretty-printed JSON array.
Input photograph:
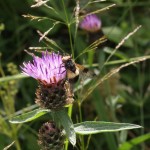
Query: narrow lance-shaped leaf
[
  {"x": 29, "y": 116},
  {"x": 66, "y": 122},
  {"x": 93, "y": 127}
]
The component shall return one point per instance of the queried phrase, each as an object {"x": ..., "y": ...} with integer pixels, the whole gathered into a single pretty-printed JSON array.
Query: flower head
[
  {"x": 90, "y": 23},
  {"x": 54, "y": 91},
  {"x": 48, "y": 69},
  {"x": 51, "y": 137}
]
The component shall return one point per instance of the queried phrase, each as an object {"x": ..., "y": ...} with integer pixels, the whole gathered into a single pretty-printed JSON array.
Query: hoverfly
[{"x": 74, "y": 70}]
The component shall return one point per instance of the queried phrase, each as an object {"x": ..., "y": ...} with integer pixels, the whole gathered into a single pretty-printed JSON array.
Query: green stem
[
  {"x": 71, "y": 45},
  {"x": 68, "y": 24},
  {"x": 70, "y": 114},
  {"x": 66, "y": 145},
  {"x": 70, "y": 111},
  {"x": 81, "y": 136},
  {"x": 142, "y": 123},
  {"x": 14, "y": 135},
  {"x": 17, "y": 145},
  {"x": 65, "y": 11}
]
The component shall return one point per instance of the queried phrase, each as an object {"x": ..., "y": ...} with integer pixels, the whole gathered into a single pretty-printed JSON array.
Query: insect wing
[{"x": 85, "y": 72}]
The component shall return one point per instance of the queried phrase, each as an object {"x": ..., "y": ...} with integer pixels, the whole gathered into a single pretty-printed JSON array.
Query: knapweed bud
[
  {"x": 51, "y": 137},
  {"x": 90, "y": 23},
  {"x": 54, "y": 91}
]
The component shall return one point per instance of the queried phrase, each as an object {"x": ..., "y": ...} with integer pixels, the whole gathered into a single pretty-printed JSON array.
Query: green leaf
[
  {"x": 29, "y": 116},
  {"x": 93, "y": 127},
  {"x": 67, "y": 123},
  {"x": 130, "y": 144}
]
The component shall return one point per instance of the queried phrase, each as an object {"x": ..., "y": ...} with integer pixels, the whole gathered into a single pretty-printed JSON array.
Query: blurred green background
[{"x": 125, "y": 97}]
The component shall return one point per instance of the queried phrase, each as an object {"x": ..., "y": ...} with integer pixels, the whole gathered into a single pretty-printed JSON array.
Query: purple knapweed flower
[
  {"x": 54, "y": 90},
  {"x": 90, "y": 23},
  {"x": 48, "y": 69}
]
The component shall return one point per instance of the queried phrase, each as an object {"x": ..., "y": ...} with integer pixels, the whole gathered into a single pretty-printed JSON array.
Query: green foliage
[
  {"x": 84, "y": 128},
  {"x": 29, "y": 116},
  {"x": 93, "y": 127},
  {"x": 62, "y": 117}
]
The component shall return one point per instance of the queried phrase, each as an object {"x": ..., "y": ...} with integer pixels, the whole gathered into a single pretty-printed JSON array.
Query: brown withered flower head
[
  {"x": 54, "y": 90},
  {"x": 51, "y": 137}
]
